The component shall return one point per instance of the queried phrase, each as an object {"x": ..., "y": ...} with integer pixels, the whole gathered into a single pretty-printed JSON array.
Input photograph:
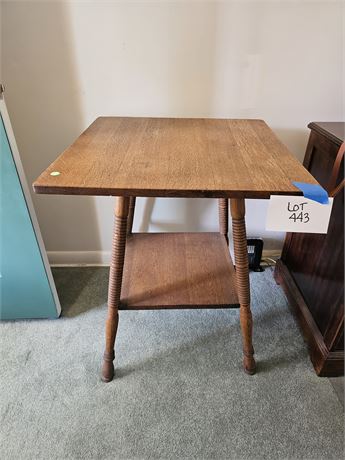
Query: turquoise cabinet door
[{"x": 25, "y": 291}]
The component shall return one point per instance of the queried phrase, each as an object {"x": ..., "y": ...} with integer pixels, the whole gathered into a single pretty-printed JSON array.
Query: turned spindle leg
[
  {"x": 115, "y": 281},
  {"x": 130, "y": 215},
  {"x": 242, "y": 281},
  {"x": 223, "y": 213}
]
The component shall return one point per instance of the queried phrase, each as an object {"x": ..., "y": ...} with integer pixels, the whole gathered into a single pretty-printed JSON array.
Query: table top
[{"x": 175, "y": 157}]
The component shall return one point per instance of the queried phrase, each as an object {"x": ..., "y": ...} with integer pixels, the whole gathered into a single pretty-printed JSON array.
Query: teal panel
[{"x": 24, "y": 287}]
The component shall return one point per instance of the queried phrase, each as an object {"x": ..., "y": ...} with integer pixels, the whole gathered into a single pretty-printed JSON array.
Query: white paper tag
[{"x": 298, "y": 214}]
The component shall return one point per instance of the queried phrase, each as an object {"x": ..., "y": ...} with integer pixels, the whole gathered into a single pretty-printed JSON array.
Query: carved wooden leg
[
  {"x": 130, "y": 215},
  {"x": 242, "y": 280},
  {"x": 223, "y": 212},
  {"x": 115, "y": 281}
]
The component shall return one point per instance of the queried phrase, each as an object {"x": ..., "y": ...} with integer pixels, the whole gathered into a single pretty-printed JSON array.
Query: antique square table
[{"x": 176, "y": 157}]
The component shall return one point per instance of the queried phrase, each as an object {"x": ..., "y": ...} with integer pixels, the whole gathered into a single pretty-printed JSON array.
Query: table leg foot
[
  {"x": 108, "y": 369},
  {"x": 249, "y": 366},
  {"x": 246, "y": 321},
  {"x": 110, "y": 336}
]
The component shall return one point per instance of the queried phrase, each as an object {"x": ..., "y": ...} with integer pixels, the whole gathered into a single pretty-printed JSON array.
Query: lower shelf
[{"x": 178, "y": 270}]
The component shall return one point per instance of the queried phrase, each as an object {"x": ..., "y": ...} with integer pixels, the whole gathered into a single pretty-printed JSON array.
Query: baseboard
[
  {"x": 102, "y": 258},
  {"x": 271, "y": 254},
  {"x": 78, "y": 258}
]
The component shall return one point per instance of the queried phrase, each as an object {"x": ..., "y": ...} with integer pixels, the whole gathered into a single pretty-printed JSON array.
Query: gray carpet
[{"x": 180, "y": 392}]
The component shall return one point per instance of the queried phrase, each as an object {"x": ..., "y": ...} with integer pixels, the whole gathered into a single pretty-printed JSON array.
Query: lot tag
[{"x": 298, "y": 214}]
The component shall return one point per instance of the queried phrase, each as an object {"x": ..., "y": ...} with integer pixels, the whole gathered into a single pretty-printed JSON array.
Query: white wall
[{"x": 64, "y": 64}]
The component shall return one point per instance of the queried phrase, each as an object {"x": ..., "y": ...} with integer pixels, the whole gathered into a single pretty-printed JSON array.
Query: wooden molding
[{"x": 325, "y": 362}]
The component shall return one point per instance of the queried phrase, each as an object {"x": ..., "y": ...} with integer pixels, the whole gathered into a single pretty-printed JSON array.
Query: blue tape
[{"x": 313, "y": 192}]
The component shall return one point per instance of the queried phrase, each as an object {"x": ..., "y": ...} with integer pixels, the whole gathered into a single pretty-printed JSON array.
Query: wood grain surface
[
  {"x": 172, "y": 157},
  {"x": 178, "y": 270}
]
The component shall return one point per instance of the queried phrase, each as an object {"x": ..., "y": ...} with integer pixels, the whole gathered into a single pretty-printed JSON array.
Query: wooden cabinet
[{"x": 311, "y": 269}]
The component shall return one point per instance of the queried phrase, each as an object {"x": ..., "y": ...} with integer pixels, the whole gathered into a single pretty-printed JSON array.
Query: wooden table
[{"x": 170, "y": 157}]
